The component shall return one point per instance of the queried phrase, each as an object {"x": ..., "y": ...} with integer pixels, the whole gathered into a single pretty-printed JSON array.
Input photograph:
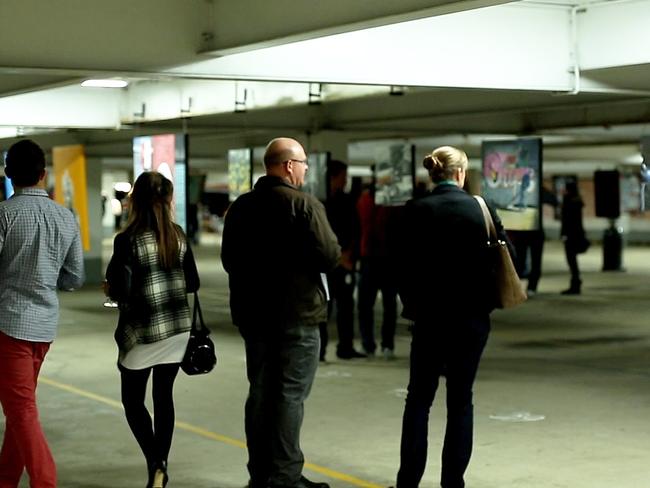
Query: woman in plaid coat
[{"x": 150, "y": 273}]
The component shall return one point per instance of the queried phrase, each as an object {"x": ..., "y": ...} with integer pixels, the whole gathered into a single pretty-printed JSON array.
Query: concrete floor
[{"x": 580, "y": 362}]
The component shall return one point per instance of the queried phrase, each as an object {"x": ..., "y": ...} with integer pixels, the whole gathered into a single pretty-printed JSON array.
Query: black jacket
[
  {"x": 342, "y": 215},
  {"x": 276, "y": 243},
  {"x": 444, "y": 262},
  {"x": 571, "y": 225}
]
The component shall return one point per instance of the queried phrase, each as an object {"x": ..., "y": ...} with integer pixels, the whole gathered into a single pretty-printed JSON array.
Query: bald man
[{"x": 277, "y": 244}]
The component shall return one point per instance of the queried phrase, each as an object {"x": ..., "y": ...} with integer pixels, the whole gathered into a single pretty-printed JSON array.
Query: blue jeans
[
  {"x": 450, "y": 347},
  {"x": 281, "y": 365}
]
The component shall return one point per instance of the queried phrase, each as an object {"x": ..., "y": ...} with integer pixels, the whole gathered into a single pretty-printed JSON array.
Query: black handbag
[{"x": 200, "y": 356}]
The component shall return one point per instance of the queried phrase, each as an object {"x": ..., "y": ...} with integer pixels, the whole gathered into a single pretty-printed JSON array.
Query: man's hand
[{"x": 347, "y": 262}]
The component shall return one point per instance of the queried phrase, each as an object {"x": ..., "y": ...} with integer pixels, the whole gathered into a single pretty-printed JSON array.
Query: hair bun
[
  {"x": 427, "y": 162},
  {"x": 430, "y": 162}
]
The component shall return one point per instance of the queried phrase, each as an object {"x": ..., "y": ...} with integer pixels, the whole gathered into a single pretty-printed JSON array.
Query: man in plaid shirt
[{"x": 40, "y": 251}]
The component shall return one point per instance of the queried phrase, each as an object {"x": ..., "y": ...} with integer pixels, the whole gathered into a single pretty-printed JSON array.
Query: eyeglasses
[{"x": 303, "y": 161}]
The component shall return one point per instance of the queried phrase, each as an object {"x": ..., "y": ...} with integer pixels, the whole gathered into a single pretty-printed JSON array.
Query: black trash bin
[{"x": 613, "y": 248}]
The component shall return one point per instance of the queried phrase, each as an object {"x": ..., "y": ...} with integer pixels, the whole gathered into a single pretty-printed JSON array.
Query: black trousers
[
  {"x": 154, "y": 437},
  {"x": 572, "y": 260},
  {"x": 452, "y": 348},
  {"x": 525, "y": 241},
  {"x": 342, "y": 283},
  {"x": 377, "y": 274}
]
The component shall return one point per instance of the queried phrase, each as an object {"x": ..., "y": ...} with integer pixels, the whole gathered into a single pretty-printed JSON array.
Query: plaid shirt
[
  {"x": 40, "y": 250},
  {"x": 158, "y": 307}
]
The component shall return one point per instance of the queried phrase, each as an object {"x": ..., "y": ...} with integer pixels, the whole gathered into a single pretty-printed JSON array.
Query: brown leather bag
[{"x": 509, "y": 290}]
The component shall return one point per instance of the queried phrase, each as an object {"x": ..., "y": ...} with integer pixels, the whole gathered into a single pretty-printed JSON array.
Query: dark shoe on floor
[
  {"x": 305, "y": 483},
  {"x": 350, "y": 354},
  {"x": 571, "y": 291}
]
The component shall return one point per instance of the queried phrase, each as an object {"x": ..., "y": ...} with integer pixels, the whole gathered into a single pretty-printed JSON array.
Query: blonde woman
[
  {"x": 447, "y": 291},
  {"x": 149, "y": 275}
]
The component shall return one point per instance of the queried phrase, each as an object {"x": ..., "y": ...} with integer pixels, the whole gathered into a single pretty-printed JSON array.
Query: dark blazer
[
  {"x": 276, "y": 243},
  {"x": 445, "y": 266}
]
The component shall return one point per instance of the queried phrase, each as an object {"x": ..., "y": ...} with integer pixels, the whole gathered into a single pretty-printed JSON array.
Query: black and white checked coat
[{"x": 157, "y": 306}]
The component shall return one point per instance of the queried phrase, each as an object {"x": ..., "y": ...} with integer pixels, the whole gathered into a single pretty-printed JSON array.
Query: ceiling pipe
[{"x": 573, "y": 19}]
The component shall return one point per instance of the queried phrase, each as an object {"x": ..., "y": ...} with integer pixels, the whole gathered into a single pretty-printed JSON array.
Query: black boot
[{"x": 574, "y": 289}]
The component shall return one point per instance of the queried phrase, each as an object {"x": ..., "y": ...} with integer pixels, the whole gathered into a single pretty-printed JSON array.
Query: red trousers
[{"x": 24, "y": 446}]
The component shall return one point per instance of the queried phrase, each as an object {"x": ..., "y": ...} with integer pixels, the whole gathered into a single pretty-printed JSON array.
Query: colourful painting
[
  {"x": 511, "y": 181},
  {"x": 394, "y": 174},
  {"x": 167, "y": 155},
  {"x": 240, "y": 172}
]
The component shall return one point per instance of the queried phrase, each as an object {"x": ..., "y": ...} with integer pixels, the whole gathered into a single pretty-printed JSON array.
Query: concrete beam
[
  {"x": 148, "y": 35},
  {"x": 614, "y": 34},
  {"x": 282, "y": 21},
  {"x": 514, "y": 46},
  {"x": 67, "y": 107}
]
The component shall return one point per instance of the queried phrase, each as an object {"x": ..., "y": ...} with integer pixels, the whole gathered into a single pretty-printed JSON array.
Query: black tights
[{"x": 154, "y": 438}]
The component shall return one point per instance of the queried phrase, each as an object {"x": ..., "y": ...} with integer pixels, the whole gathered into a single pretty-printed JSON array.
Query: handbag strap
[
  {"x": 489, "y": 223},
  {"x": 197, "y": 325}
]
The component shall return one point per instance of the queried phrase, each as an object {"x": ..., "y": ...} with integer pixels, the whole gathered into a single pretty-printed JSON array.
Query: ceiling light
[{"x": 105, "y": 83}]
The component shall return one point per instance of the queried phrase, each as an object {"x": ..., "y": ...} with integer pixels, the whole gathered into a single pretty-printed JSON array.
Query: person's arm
[
  {"x": 326, "y": 247},
  {"x": 116, "y": 272},
  {"x": 192, "y": 281},
  {"x": 71, "y": 274},
  {"x": 229, "y": 237},
  {"x": 406, "y": 255}
]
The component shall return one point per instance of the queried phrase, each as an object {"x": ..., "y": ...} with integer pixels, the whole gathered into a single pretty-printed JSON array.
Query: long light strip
[{"x": 107, "y": 83}]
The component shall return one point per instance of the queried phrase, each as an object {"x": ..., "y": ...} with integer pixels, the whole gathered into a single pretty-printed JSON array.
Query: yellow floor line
[{"x": 206, "y": 433}]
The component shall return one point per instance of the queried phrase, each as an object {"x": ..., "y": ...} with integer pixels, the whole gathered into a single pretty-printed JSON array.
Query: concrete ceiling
[{"x": 164, "y": 47}]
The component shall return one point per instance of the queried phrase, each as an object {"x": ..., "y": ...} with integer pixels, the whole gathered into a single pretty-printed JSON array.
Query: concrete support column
[{"x": 93, "y": 257}]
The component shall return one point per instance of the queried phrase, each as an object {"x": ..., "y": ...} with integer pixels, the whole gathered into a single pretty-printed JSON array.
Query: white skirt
[{"x": 170, "y": 350}]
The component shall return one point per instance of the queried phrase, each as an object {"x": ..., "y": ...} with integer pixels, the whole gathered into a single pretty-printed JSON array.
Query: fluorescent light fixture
[
  {"x": 107, "y": 83},
  {"x": 635, "y": 159},
  {"x": 8, "y": 132}
]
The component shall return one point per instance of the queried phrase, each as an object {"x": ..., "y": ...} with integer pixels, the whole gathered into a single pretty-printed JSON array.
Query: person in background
[
  {"x": 377, "y": 272},
  {"x": 573, "y": 234},
  {"x": 277, "y": 246},
  {"x": 40, "y": 251},
  {"x": 447, "y": 289},
  {"x": 154, "y": 323},
  {"x": 342, "y": 216},
  {"x": 529, "y": 248}
]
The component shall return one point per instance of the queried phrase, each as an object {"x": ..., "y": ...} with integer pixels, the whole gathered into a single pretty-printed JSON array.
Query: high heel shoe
[{"x": 158, "y": 477}]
